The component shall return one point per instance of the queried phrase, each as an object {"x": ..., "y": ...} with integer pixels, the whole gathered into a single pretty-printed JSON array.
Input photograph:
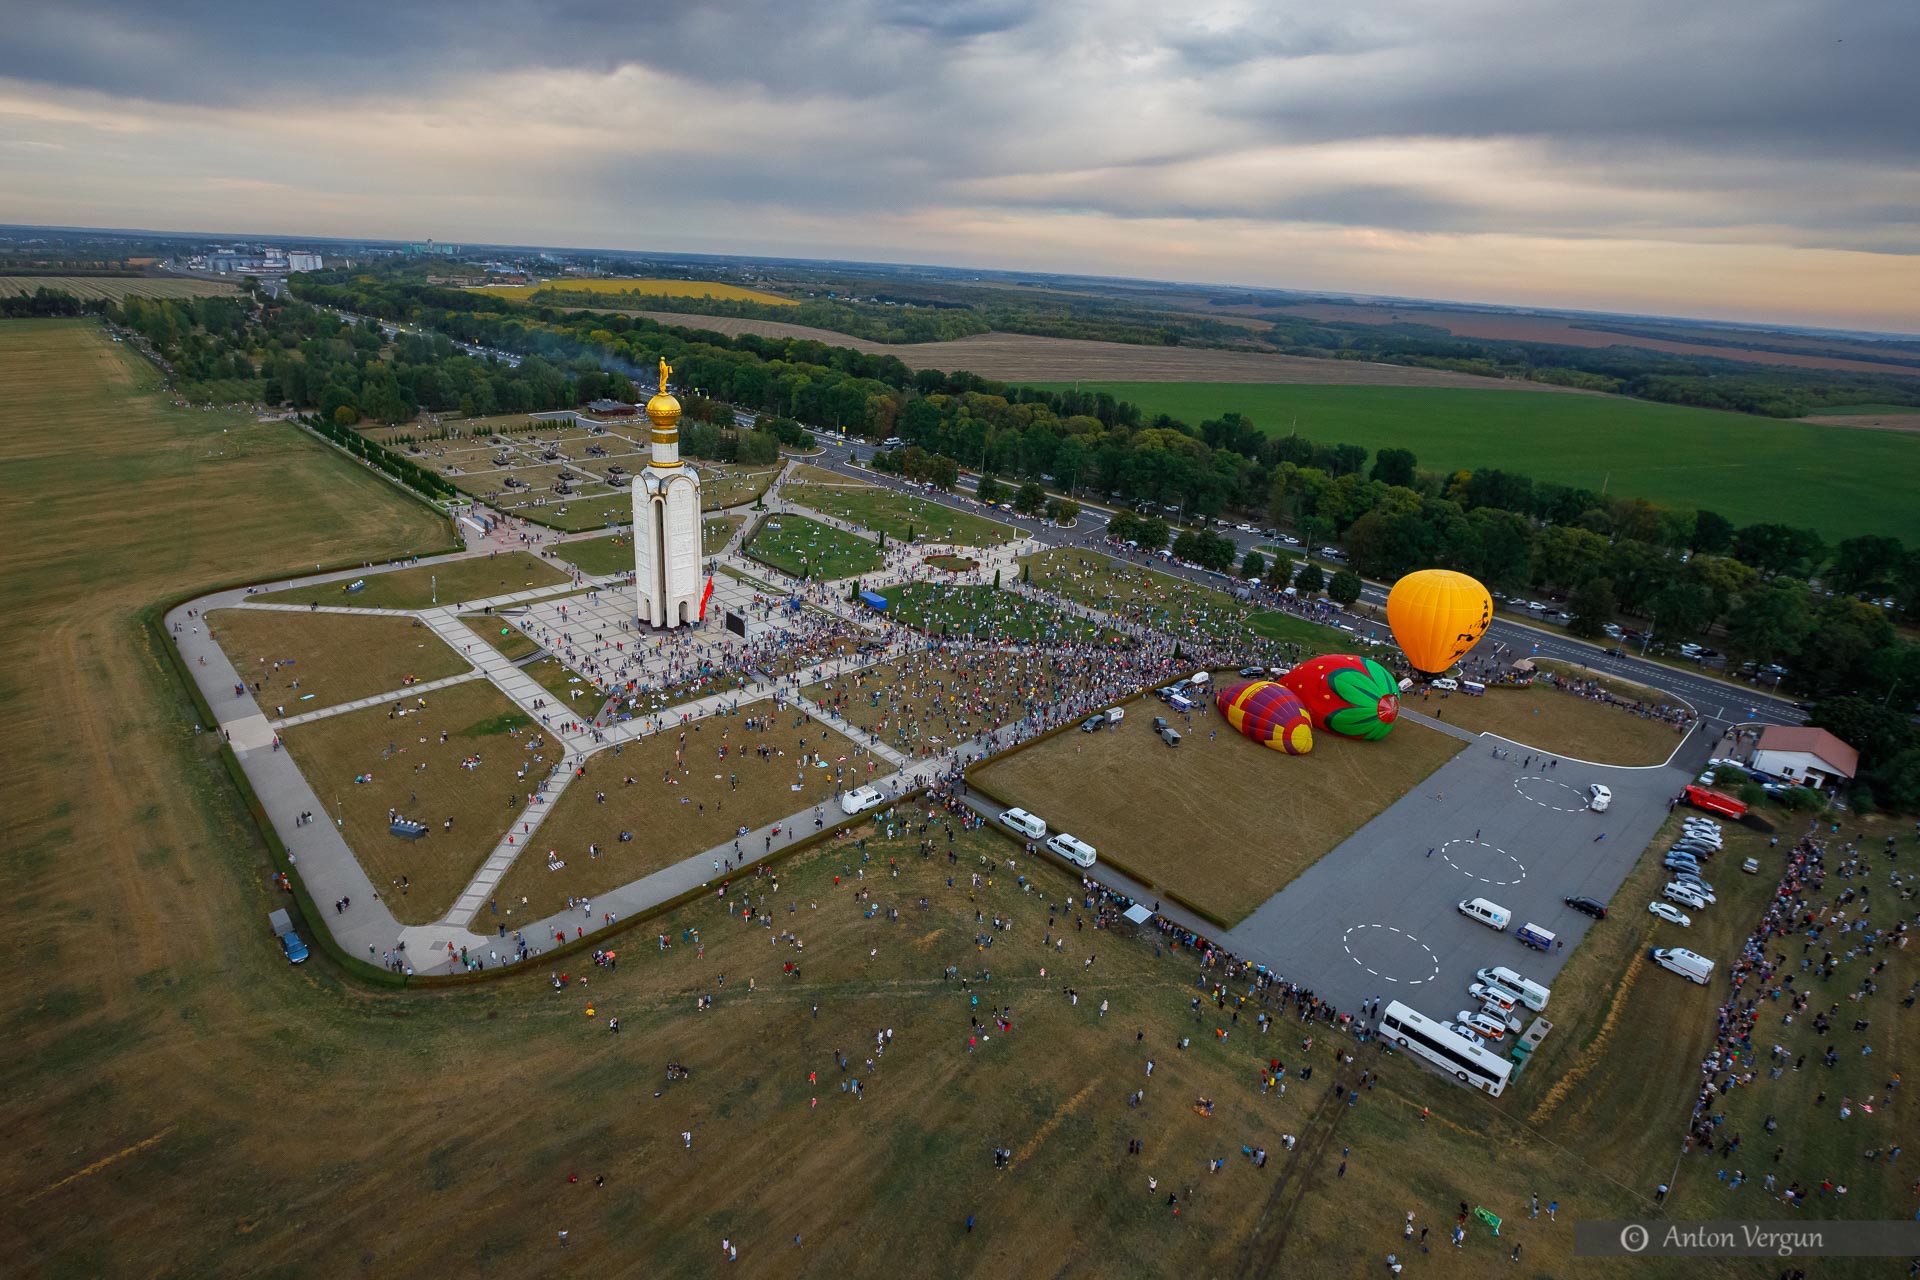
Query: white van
[
  {"x": 1447, "y": 684},
  {"x": 1200, "y": 679},
  {"x": 1072, "y": 848},
  {"x": 1473, "y": 687},
  {"x": 1687, "y": 964},
  {"x": 1115, "y": 715},
  {"x": 1531, "y": 994},
  {"x": 859, "y": 800},
  {"x": 1491, "y": 914},
  {"x": 1023, "y": 822}
]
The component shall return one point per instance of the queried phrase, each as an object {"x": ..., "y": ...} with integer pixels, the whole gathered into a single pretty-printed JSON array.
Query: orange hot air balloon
[{"x": 1436, "y": 616}]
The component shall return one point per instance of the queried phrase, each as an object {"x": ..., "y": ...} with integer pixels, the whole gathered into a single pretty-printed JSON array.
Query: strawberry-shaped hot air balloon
[
  {"x": 1347, "y": 696},
  {"x": 1269, "y": 714}
]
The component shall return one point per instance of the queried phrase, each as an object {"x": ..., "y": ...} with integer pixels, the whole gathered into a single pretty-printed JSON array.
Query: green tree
[
  {"x": 1593, "y": 607},
  {"x": 1310, "y": 579},
  {"x": 991, "y": 491},
  {"x": 1280, "y": 571},
  {"x": 1253, "y": 566},
  {"x": 1394, "y": 466},
  {"x": 943, "y": 472},
  {"x": 1063, "y": 510},
  {"x": 1030, "y": 499},
  {"x": 1344, "y": 588},
  {"x": 1771, "y": 621}
]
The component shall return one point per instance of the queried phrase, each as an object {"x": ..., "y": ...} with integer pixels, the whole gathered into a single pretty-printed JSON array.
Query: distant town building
[
  {"x": 1805, "y": 756},
  {"x": 301, "y": 261},
  {"x": 611, "y": 408}
]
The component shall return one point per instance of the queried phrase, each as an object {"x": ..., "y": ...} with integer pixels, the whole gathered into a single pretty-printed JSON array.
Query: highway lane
[{"x": 1714, "y": 699}]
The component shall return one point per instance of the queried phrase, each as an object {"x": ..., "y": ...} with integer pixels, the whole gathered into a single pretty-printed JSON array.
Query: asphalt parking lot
[{"x": 1377, "y": 917}]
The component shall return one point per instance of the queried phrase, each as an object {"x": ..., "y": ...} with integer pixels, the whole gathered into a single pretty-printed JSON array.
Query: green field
[
  {"x": 985, "y": 613},
  {"x": 808, "y": 549},
  {"x": 1841, "y": 481}
]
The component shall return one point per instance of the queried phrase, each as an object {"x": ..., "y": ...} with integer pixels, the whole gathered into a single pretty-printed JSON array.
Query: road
[{"x": 1717, "y": 700}]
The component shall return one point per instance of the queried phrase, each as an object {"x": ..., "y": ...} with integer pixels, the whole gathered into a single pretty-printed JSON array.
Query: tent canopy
[{"x": 1139, "y": 914}]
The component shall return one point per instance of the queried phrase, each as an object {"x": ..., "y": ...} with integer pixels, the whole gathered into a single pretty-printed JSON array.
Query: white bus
[{"x": 1454, "y": 1054}]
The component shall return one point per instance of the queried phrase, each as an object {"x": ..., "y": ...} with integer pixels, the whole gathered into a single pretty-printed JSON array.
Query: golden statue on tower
[{"x": 666, "y": 371}]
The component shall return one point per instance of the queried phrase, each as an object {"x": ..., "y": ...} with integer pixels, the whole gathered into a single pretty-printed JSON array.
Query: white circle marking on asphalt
[
  {"x": 1519, "y": 865},
  {"x": 1346, "y": 944}
]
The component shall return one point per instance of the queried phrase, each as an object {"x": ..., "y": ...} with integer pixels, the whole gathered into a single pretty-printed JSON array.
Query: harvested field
[
  {"x": 658, "y": 288},
  {"x": 691, "y": 791},
  {"x": 1017, "y": 357},
  {"x": 1903, "y": 421},
  {"x": 1573, "y": 331},
  {"x": 309, "y": 661},
  {"x": 114, "y": 288},
  {"x": 1220, "y": 820}
]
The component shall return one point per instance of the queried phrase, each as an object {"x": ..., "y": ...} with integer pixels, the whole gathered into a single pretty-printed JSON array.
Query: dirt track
[
  {"x": 1869, "y": 421},
  {"x": 1015, "y": 357}
]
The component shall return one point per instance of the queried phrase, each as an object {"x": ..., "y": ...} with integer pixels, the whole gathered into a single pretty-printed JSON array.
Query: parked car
[
  {"x": 1486, "y": 1025},
  {"x": 1671, "y": 914},
  {"x": 1684, "y": 896},
  {"x": 1464, "y": 1031},
  {"x": 1599, "y": 797},
  {"x": 1588, "y": 907},
  {"x": 1751, "y": 866},
  {"x": 1098, "y": 720}
]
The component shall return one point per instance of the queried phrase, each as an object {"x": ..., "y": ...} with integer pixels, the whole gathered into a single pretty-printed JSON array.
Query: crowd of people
[{"x": 1771, "y": 990}]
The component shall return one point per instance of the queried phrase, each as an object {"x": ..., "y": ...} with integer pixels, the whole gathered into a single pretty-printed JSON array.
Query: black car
[
  {"x": 1616, "y": 652},
  {"x": 1253, "y": 671},
  {"x": 1589, "y": 907}
]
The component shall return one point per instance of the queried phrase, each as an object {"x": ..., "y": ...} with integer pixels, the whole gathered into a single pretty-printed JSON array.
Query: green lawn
[
  {"x": 897, "y": 515},
  {"x": 1839, "y": 480},
  {"x": 981, "y": 611},
  {"x": 450, "y": 583},
  {"x": 808, "y": 549},
  {"x": 611, "y": 554}
]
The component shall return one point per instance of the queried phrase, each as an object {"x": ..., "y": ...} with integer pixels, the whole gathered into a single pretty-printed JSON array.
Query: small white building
[{"x": 1804, "y": 756}]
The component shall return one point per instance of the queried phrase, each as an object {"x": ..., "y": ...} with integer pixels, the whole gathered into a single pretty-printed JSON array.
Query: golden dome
[{"x": 663, "y": 411}]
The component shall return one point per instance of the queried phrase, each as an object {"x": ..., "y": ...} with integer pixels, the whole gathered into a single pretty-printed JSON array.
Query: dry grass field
[
  {"x": 1544, "y": 717},
  {"x": 412, "y": 764},
  {"x": 1568, "y": 331},
  {"x": 658, "y": 288},
  {"x": 475, "y": 578},
  {"x": 1220, "y": 820},
  {"x": 1018, "y": 357},
  {"x": 692, "y": 789},
  {"x": 179, "y": 1102},
  {"x": 307, "y": 662},
  {"x": 114, "y": 288}
]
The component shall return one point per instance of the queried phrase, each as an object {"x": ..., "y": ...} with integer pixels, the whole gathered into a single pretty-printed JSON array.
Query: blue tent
[{"x": 873, "y": 600}]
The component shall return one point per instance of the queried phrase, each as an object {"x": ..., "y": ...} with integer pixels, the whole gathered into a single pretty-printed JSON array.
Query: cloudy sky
[{"x": 1752, "y": 159}]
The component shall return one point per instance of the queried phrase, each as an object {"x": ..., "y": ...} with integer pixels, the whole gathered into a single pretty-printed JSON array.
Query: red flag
[{"x": 706, "y": 596}]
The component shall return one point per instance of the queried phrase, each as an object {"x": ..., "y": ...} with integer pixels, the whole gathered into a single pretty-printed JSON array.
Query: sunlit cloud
[{"x": 1752, "y": 160}]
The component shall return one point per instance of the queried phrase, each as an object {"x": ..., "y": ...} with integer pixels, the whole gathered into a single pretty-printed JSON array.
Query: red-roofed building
[{"x": 1804, "y": 756}]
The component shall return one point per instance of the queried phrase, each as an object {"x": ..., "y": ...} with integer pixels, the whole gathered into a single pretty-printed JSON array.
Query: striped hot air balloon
[{"x": 1268, "y": 713}]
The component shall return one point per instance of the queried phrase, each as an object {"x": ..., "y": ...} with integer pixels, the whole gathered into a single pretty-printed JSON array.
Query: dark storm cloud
[
  {"x": 222, "y": 51},
  {"x": 1802, "y": 75}
]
